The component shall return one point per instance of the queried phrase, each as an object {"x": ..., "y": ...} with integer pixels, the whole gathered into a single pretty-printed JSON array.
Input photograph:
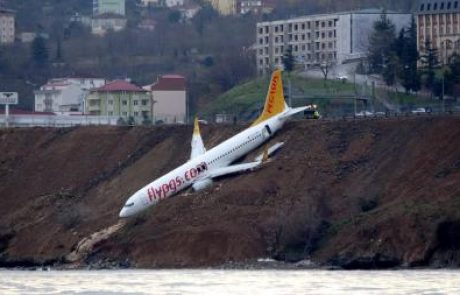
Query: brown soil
[{"x": 357, "y": 194}]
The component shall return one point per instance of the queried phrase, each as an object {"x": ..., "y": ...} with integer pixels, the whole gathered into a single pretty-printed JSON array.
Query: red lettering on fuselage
[
  {"x": 174, "y": 184},
  {"x": 151, "y": 192}
]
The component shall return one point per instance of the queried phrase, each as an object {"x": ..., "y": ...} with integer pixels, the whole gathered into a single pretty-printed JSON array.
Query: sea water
[{"x": 213, "y": 281}]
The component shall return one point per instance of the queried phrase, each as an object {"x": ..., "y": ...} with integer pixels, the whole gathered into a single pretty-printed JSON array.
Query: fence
[{"x": 55, "y": 120}]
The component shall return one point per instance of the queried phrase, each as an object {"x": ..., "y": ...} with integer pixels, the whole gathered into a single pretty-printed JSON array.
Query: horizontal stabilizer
[
  {"x": 270, "y": 151},
  {"x": 294, "y": 111},
  {"x": 234, "y": 169}
]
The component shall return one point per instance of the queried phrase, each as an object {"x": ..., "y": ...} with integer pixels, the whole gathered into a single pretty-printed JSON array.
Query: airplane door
[{"x": 266, "y": 132}]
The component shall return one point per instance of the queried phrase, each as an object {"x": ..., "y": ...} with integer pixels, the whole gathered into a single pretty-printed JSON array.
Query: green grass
[{"x": 251, "y": 95}]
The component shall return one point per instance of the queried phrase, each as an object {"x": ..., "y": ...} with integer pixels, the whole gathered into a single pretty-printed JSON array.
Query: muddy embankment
[{"x": 354, "y": 194}]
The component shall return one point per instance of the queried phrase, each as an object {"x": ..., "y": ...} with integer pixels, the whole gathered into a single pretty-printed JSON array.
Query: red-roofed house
[
  {"x": 169, "y": 99},
  {"x": 120, "y": 99}
]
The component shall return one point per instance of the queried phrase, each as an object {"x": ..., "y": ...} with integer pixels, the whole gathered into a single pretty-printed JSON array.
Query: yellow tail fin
[{"x": 274, "y": 103}]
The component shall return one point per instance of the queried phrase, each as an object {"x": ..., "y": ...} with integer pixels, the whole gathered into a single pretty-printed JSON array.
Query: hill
[{"x": 354, "y": 194}]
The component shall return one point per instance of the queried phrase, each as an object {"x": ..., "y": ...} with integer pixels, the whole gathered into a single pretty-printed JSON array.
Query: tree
[
  {"x": 390, "y": 69},
  {"x": 406, "y": 50},
  {"x": 40, "y": 54},
  {"x": 430, "y": 63},
  {"x": 288, "y": 60},
  {"x": 58, "y": 49},
  {"x": 381, "y": 43}
]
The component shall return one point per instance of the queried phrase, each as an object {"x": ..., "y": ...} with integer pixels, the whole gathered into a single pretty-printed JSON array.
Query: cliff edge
[{"x": 354, "y": 194}]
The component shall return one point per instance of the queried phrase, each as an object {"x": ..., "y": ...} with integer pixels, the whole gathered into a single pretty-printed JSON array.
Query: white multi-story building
[
  {"x": 7, "y": 28},
  {"x": 317, "y": 39},
  {"x": 246, "y": 6},
  {"x": 109, "y": 6},
  {"x": 65, "y": 95},
  {"x": 167, "y": 3},
  {"x": 102, "y": 23}
]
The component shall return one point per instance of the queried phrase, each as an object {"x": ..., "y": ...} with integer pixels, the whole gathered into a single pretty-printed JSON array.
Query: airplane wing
[
  {"x": 234, "y": 169},
  {"x": 197, "y": 142},
  {"x": 259, "y": 160},
  {"x": 270, "y": 151}
]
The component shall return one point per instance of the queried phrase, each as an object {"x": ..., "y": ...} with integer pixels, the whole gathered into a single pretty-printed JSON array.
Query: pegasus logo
[{"x": 271, "y": 97}]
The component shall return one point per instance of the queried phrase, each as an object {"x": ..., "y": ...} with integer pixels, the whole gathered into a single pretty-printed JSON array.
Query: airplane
[{"x": 205, "y": 165}]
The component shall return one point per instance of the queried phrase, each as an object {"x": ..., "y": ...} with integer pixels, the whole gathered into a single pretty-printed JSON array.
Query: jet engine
[{"x": 202, "y": 184}]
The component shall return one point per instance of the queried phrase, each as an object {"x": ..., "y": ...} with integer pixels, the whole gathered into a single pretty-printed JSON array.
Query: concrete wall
[{"x": 169, "y": 106}]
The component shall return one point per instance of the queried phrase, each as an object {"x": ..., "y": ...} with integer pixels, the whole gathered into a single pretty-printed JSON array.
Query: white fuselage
[{"x": 197, "y": 168}]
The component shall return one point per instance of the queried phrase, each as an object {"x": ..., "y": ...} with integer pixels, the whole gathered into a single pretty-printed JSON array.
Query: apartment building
[
  {"x": 7, "y": 27},
  {"x": 109, "y": 6},
  {"x": 169, "y": 99},
  {"x": 64, "y": 95},
  {"x": 438, "y": 23},
  {"x": 167, "y": 3},
  {"x": 120, "y": 99},
  {"x": 102, "y": 23},
  {"x": 318, "y": 39}
]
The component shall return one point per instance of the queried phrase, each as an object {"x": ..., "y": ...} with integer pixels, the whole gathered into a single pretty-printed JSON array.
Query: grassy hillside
[{"x": 249, "y": 97}]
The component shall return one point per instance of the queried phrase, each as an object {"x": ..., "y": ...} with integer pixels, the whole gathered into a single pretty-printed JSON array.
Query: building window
[
  {"x": 136, "y": 114},
  {"x": 135, "y": 102},
  {"x": 323, "y": 24},
  {"x": 145, "y": 102},
  {"x": 124, "y": 102},
  {"x": 422, "y": 7},
  {"x": 428, "y": 6},
  {"x": 125, "y": 114},
  {"x": 456, "y": 4},
  {"x": 442, "y": 6},
  {"x": 110, "y": 102},
  {"x": 261, "y": 30},
  {"x": 330, "y": 23}
]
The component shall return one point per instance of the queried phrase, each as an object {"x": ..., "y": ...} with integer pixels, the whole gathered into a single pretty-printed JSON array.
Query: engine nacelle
[{"x": 202, "y": 184}]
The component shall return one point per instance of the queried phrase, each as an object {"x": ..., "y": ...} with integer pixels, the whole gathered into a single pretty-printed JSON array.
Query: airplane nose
[{"x": 123, "y": 213}]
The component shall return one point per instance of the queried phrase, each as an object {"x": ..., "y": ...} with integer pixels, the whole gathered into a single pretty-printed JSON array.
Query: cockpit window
[{"x": 129, "y": 205}]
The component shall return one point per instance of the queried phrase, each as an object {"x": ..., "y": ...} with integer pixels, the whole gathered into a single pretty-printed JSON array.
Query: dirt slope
[{"x": 363, "y": 194}]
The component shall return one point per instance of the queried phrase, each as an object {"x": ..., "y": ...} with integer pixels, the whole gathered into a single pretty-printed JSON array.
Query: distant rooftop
[
  {"x": 119, "y": 85},
  {"x": 169, "y": 83}
]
